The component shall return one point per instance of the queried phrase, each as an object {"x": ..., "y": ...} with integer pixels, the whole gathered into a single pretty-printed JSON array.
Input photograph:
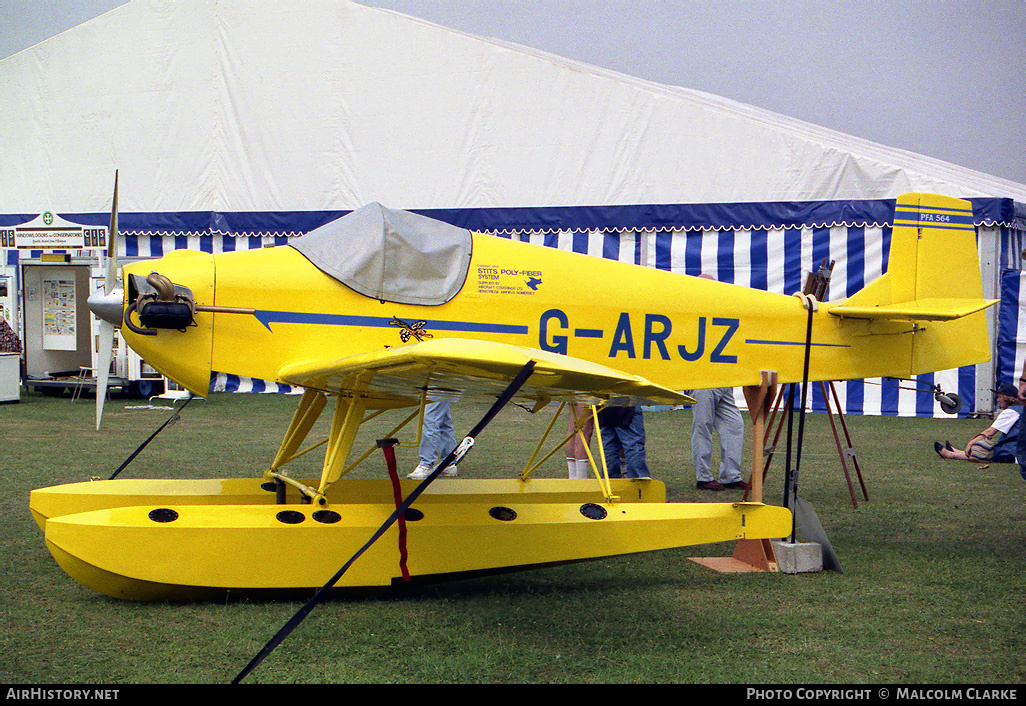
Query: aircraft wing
[{"x": 462, "y": 366}]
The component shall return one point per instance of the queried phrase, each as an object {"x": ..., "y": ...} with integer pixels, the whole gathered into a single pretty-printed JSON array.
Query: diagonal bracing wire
[{"x": 454, "y": 457}]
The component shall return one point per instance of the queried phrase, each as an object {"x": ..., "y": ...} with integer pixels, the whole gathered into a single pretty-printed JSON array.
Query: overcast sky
[{"x": 943, "y": 78}]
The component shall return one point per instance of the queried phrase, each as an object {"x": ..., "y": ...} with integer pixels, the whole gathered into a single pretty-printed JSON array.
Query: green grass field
[{"x": 931, "y": 592}]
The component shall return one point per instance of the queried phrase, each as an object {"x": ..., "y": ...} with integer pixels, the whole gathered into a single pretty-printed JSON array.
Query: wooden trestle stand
[
  {"x": 845, "y": 449},
  {"x": 752, "y": 554}
]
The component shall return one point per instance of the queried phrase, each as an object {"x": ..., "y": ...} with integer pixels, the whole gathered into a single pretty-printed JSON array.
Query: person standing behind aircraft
[
  {"x": 623, "y": 429},
  {"x": 437, "y": 440},
  {"x": 715, "y": 410}
]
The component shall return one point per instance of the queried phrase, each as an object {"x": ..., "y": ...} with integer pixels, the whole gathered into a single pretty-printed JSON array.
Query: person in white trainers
[{"x": 437, "y": 440}]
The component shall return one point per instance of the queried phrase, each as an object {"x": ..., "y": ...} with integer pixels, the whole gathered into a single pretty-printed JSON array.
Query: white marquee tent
[{"x": 242, "y": 122}]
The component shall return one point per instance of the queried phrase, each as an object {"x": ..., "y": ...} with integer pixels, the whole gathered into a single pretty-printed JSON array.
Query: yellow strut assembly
[
  {"x": 602, "y": 476},
  {"x": 349, "y": 416},
  {"x": 346, "y": 422}
]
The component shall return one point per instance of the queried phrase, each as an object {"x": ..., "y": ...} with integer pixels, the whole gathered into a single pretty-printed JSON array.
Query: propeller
[{"x": 104, "y": 307}]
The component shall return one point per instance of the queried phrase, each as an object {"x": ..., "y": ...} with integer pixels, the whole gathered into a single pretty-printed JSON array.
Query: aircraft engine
[{"x": 159, "y": 304}]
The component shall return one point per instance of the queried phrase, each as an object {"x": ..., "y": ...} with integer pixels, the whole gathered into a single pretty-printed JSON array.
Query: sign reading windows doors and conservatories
[{"x": 49, "y": 231}]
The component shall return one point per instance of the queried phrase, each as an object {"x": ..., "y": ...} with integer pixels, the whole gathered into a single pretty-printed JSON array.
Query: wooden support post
[
  {"x": 760, "y": 401},
  {"x": 752, "y": 554}
]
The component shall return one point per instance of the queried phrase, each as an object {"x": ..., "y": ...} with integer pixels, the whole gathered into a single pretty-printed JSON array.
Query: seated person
[{"x": 996, "y": 443}]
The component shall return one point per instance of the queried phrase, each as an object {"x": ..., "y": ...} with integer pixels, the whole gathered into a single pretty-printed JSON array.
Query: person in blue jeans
[
  {"x": 437, "y": 440},
  {"x": 623, "y": 429}
]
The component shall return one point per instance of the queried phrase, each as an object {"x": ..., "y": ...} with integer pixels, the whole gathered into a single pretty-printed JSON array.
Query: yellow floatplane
[{"x": 381, "y": 310}]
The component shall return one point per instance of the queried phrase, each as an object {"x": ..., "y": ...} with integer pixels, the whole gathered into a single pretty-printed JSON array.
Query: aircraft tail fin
[
  {"x": 928, "y": 277},
  {"x": 933, "y": 281}
]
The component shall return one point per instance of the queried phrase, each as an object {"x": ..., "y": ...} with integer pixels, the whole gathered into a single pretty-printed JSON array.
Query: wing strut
[{"x": 454, "y": 457}]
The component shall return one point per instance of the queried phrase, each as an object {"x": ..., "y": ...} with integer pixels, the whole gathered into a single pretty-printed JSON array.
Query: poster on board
[{"x": 59, "y": 313}]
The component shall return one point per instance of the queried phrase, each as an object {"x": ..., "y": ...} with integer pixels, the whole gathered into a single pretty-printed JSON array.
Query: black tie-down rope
[
  {"x": 791, "y": 477},
  {"x": 173, "y": 418},
  {"x": 454, "y": 456}
]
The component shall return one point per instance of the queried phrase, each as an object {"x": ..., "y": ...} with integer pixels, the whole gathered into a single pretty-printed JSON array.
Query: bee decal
[{"x": 416, "y": 329}]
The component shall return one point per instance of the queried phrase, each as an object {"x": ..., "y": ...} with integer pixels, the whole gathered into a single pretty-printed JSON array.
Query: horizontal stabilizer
[{"x": 920, "y": 310}]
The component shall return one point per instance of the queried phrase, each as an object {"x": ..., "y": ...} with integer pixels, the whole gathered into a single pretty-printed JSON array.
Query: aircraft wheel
[{"x": 949, "y": 403}]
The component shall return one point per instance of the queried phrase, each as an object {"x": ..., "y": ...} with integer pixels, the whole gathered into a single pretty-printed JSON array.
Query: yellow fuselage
[{"x": 678, "y": 331}]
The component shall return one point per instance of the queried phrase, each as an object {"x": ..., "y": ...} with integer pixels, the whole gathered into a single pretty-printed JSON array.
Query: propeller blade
[
  {"x": 103, "y": 359},
  {"x": 110, "y": 281},
  {"x": 110, "y": 276}
]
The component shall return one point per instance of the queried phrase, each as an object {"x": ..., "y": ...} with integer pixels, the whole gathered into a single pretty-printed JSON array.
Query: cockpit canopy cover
[{"x": 393, "y": 256}]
